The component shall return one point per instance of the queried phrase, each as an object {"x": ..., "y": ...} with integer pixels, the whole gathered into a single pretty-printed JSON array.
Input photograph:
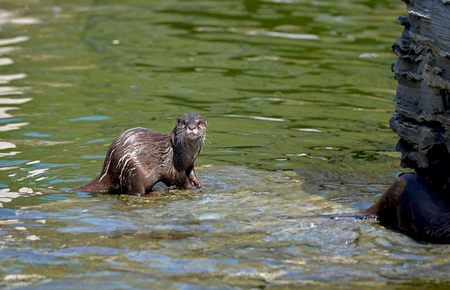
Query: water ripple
[
  {"x": 6, "y": 79},
  {"x": 10, "y": 123},
  {"x": 285, "y": 35},
  {"x": 259, "y": 118},
  {"x": 13, "y": 40},
  {"x": 90, "y": 118}
]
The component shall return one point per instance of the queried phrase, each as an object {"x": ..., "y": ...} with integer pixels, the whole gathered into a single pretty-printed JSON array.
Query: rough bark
[{"x": 422, "y": 117}]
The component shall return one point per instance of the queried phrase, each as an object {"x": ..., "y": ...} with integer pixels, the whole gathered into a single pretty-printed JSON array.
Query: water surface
[{"x": 298, "y": 95}]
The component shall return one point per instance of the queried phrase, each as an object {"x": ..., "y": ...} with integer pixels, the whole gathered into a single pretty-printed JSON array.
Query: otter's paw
[{"x": 195, "y": 184}]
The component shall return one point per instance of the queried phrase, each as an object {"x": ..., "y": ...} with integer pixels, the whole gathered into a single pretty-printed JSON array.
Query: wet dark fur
[
  {"x": 139, "y": 158},
  {"x": 411, "y": 206}
]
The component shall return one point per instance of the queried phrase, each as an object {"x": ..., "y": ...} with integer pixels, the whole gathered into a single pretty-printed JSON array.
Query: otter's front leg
[
  {"x": 192, "y": 177},
  {"x": 182, "y": 181}
]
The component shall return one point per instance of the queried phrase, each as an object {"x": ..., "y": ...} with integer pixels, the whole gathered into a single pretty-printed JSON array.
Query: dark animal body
[
  {"x": 411, "y": 206},
  {"x": 139, "y": 158}
]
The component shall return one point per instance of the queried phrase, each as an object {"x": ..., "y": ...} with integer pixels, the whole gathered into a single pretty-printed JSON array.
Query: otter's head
[{"x": 191, "y": 128}]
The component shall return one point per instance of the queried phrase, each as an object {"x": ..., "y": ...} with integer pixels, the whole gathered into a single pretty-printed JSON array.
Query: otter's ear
[
  {"x": 179, "y": 121},
  {"x": 206, "y": 123}
]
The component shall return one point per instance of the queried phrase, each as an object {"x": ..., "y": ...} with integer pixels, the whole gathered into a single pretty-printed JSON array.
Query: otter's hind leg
[{"x": 138, "y": 182}]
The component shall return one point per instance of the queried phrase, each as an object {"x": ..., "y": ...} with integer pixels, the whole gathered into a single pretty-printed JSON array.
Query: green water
[{"x": 298, "y": 96}]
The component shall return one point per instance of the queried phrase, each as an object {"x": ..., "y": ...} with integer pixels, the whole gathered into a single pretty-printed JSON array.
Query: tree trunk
[{"x": 422, "y": 117}]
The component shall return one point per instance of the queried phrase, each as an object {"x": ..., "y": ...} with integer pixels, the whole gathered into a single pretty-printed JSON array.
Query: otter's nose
[{"x": 192, "y": 127}]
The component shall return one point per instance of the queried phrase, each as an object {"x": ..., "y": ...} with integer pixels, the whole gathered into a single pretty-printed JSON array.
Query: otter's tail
[
  {"x": 95, "y": 185},
  {"x": 364, "y": 214}
]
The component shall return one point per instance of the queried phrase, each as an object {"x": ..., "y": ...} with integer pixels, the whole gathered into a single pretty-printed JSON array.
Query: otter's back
[{"x": 135, "y": 151}]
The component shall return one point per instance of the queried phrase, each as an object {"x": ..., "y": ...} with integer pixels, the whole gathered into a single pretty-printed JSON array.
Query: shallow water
[{"x": 298, "y": 96}]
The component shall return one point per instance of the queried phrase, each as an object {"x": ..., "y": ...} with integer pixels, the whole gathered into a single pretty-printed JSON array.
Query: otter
[
  {"x": 139, "y": 158},
  {"x": 410, "y": 205}
]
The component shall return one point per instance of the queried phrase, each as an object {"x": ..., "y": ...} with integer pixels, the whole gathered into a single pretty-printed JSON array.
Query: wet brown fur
[{"x": 139, "y": 158}]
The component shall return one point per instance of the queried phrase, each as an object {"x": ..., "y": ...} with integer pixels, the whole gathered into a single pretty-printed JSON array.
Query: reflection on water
[
  {"x": 7, "y": 119},
  {"x": 298, "y": 96}
]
